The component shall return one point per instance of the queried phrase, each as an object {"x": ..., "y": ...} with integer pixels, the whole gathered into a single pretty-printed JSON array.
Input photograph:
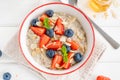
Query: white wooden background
[{"x": 13, "y": 11}]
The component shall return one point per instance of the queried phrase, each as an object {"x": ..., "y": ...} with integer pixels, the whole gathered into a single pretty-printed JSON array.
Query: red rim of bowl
[{"x": 71, "y": 7}]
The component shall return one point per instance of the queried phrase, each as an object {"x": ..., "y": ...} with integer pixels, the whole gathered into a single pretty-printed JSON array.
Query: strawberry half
[
  {"x": 67, "y": 65},
  {"x": 74, "y": 45},
  {"x": 59, "y": 27},
  {"x": 43, "y": 16},
  {"x": 38, "y": 30},
  {"x": 54, "y": 45},
  {"x": 44, "y": 39},
  {"x": 56, "y": 61},
  {"x": 102, "y": 78}
]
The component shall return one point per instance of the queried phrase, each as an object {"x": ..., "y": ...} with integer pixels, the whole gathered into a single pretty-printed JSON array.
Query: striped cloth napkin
[{"x": 12, "y": 50}]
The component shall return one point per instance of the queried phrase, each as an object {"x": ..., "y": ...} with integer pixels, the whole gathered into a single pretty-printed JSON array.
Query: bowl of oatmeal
[{"x": 56, "y": 38}]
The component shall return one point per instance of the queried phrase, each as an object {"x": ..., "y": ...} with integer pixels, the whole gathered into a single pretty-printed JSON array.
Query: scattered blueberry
[
  {"x": 68, "y": 48},
  {"x": 6, "y": 76},
  {"x": 50, "y": 13},
  {"x": 0, "y": 53},
  {"x": 78, "y": 57},
  {"x": 50, "y": 33},
  {"x": 69, "y": 33},
  {"x": 50, "y": 53},
  {"x": 34, "y": 21}
]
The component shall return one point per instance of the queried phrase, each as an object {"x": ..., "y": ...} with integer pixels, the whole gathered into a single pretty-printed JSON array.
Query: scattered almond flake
[
  {"x": 63, "y": 39},
  {"x": 71, "y": 55},
  {"x": 64, "y": 23},
  {"x": 72, "y": 61},
  {"x": 55, "y": 36},
  {"x": 59, "y": 49},
  {"x": 40, "y": 24},
  {"x": 55, "y": 28},
  {"x": 33, "y": 53},
  {"x": 33, "y": 46},
  {"x": 67, "y": 43},
  {"x": 44, "y": 47},
  {"x": 73, "y": 51},
  {"x": 42, "y": 50},
  {"x": 59, "y": 52},
  {"x": 57, "y": 65},
  {"x": 69, "y": 39}
]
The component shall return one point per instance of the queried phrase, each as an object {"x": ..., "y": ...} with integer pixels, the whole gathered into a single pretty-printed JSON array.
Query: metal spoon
[{"x": 111, "y": 41}]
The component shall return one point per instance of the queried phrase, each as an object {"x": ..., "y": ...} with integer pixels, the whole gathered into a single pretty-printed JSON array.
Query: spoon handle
[{"x": 111, "y": 41}]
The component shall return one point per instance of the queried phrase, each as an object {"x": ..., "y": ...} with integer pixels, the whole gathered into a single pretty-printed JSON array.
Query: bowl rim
[{"x": 52, "y": 3}]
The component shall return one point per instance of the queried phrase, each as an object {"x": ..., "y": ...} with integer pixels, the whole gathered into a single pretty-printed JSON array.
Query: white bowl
[{"x": 57, "y": 7}]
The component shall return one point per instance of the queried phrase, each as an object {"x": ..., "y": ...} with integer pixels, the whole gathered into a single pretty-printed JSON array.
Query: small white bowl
[{"x": 57, "y": 7}]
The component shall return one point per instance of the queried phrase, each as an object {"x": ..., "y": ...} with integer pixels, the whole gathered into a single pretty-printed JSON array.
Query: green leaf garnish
[
  {"x": 46, "y": 23},
  {"x": 64, "y": 52}
]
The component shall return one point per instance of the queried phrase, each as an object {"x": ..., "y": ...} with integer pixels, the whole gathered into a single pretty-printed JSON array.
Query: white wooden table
[{"x": 12, "y": 12}]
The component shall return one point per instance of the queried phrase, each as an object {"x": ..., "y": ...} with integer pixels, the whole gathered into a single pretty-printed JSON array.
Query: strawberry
[
  {"x": 44, "y": 40},
  {"x": 102, "y": 78},
  {"x": 54, "y": 45},
  {"x": 56, "y": 60},
  {"x": 67, "y": 64},
  {"x": 59, "y": 28},
  {"x": 74, "y": 45},
  {"x": 38, "y": 30},
  {"x": 70, "y": 55},
  {"x": 43, "y": 16}
]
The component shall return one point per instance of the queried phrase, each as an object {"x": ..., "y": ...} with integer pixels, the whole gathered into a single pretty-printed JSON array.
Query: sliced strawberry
[
  {"x": 44, "y": 40},
  {"x": 67, "y": 65},
  {"x": 102, "y": 78},
  {"x": 43, "y": 16},
  {"x": 56, "y": 60},
  {"x": 74, "y": 45},
  {"x": 70, "y": 55},
  {"x": 59, "y": 29},
  {"x": 54, "y": 45},
  {"x": 38, "y": 30}
]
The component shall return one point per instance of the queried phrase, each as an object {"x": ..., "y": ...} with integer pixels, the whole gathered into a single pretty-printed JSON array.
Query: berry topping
[
  {"x": 78, "y": 57},
  {"x": 50, "y": 13},
  {"x": 50, "y": 32},
  {"x": 50, "y": 53},
  {"x": 6, "y": 76},
  {"x": 69, "y": 33},
  {"x": 68, "y": 48},
  {"x": 34, "y": 21}
]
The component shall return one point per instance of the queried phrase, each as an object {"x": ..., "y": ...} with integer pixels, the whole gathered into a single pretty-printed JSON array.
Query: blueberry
[
  {"x": 50, "y": 33},
  {"x": 69, "y": 33},
  {"x": 50, "y": 13},
  {"x": 34, "y": 21},
  {"x": 0, "y": 53},
  {"x": 68, "y": 48},
  {"x": 78, "y": 57},
  {"x": 6, "y": 76},
  {"x": 50, "y": 53}
]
